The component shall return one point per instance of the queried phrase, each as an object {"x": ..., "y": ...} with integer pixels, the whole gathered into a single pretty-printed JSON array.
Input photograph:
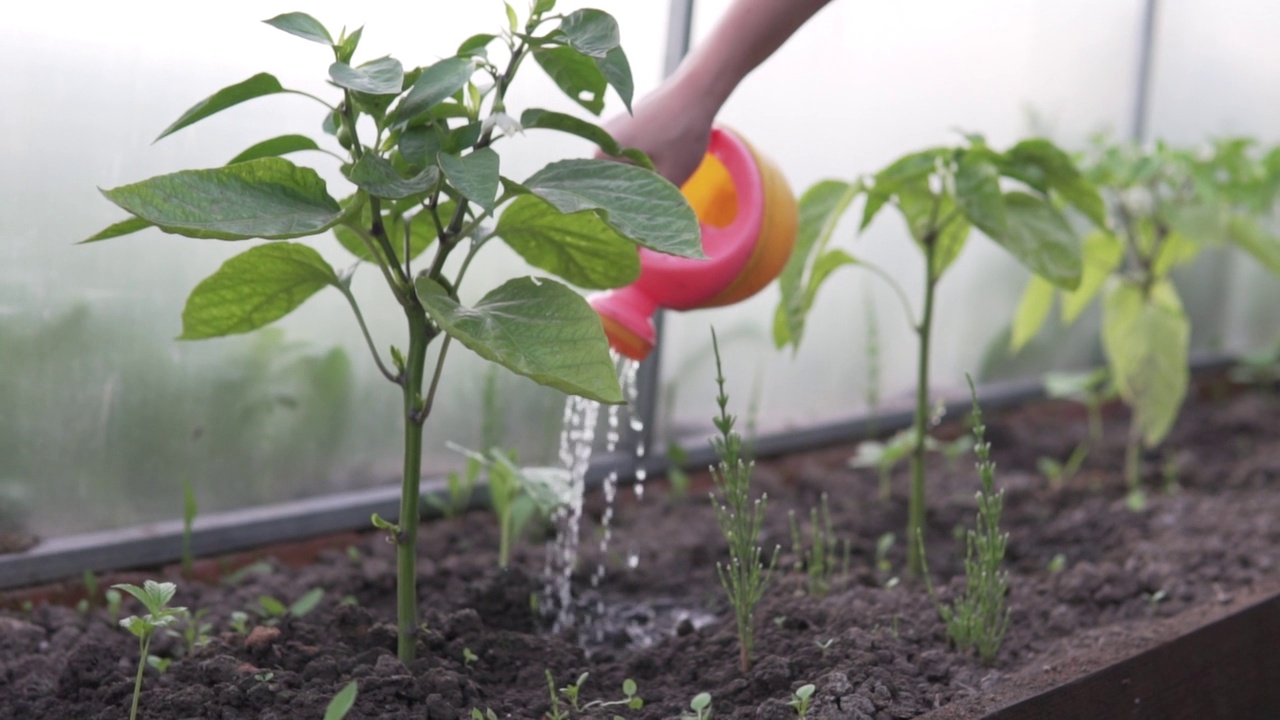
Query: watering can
[{"x": 748, "y": 218}]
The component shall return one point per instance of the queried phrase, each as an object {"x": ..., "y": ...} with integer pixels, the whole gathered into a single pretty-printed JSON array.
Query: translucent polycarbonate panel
[
  {"x": 103, "y": 414},
  {"x": 858, "y": 86},
  {"x": 1215, "y": 75}
]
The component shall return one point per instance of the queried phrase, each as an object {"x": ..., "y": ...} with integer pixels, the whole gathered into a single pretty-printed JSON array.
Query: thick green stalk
[
  {"x": 915, "y": 505},
  {"x": 407, "y": 537}
]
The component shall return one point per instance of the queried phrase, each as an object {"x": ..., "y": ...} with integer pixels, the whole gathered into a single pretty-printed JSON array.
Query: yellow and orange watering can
[{"x": 748, "y": 217}]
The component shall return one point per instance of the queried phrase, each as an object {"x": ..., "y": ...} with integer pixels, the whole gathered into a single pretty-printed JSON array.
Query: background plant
[
  {"x": 1166, "y": 206},
  {"x": 740, "y": 518},
  {"x": 1013, "y": 197},
  {"x": 978, "y": 619},
  {"x": 418, "y": 150},
  {"x": 820, "y": 558}
]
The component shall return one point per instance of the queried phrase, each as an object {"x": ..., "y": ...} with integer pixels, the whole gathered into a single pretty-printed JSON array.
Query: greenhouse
[{"x": 665, "y": 359}]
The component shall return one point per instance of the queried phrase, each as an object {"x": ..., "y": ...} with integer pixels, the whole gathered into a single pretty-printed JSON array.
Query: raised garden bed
[{"x": 1206, "y": 548}]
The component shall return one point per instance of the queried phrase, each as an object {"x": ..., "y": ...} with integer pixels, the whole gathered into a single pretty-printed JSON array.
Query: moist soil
[{"x": 1091, "y": 581}]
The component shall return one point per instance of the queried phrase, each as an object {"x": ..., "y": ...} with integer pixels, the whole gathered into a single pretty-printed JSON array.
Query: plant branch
[
  {"x": 897, "y": 289},
  {"x": 430, "y": 400},
  {"x": 320, "y": 100},
  {"x": 368, "y": 242},
  {"x": 351, "y": 300}
]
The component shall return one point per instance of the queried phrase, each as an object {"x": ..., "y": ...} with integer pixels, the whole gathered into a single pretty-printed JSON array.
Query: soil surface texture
[{"x": 1091, "y": 579}]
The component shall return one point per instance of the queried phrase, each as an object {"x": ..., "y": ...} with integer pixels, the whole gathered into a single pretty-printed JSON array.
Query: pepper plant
[
  {"x": 1166, "y": 206},
  {"x": 1013, "y": 197},
  {"x": 418, "y": 148}
]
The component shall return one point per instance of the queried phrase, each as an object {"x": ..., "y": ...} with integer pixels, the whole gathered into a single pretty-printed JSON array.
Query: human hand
[{"x": 672, "y": 125}]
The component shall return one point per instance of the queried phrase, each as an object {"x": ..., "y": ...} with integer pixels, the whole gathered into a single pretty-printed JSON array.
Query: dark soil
[{"x": 1207, "y": 542}]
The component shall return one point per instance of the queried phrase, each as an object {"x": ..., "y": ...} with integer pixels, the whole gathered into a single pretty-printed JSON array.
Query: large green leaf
[
  {"x": 617, "y": 71},
  {"x": 384, "y": 76},
  {"x": 434, "y": 85},
  {"x": 115, "y": 230},
  {"x": 1040, "y": 238},
  {"x": 1102, "y": 254},
  {"x": 1263, "y": 246},
  {"x": 1146, "y": 341},
  {"x": 267, "y": 198},
  {"x": 275, "y": 147},
  {"x": 591, "y": 32},
  {"x": 579, "y": 247},
  {"x": 475, "y": 175},
  {"x": 253, "y": 289},
  {"x": 533, "y": 327},
  {"x": 1033, "y": 309},
  {"x": 978, "y": 193},
  {"x": 820, "y": 210},
  {"x": 579, "y": 76},
  {"x": 550, "y": 120},
  {"x": 1042, "y": 165},
  {"x": 302, "y": 25},
  {"x": 378, "y": 177},
  {"x": 636, "y": 202},
  {"x": 255, "y": 87}
]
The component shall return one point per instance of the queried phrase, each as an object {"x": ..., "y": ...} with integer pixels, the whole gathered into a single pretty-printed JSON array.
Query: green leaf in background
[
  {"x": 591, "y": 32},
  {"x": 537, "y": 328},
  {"x": 1033, "y": 310},
  {"x": 820, "y": 210},
  {"x": 579, "y": 76},
  {"x": 978, "y": 193},
  {"x": 917, "y": 205},
  {"x": 384, "y": 76},
  {"x": 379, "y": 178},
  {"x": 1177, "y": 250},
  {"x": 302, "y": 25},
  {"x": 347, "y": 44},
  {"x": 476, "y": 45},
  {"x": 579, "y": 247},
  {"x": 253, "y": 289},
  {"x": 1263, "y": 246},
  {"x": 257, "y": 86},
  {"x": 912, "y": 168},
  {"x": 124, "y": 227},
  {"x": 418, "y": 146},
  {"x": 1042, "y": 165},
  {"x": 1146, "y": 341},
  {"x": 636, "y": 202},
  {"x": 475, "y": 175},
  {"x": 268, "y": 198},
  {"x": 536, "y": 118},
  {"x": 275, "y": 147},
  {"x": 617, "y": 71},
  {"x": 342, "y": 703},
  {"x": 1040, "y": 238},
  {"x": 1102, "y": 253},
  {"x": 422, "y": 232},
  {"x": 434, "y": 85}
]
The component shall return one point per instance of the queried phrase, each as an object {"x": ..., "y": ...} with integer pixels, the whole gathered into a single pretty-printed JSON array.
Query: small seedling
[
  {"x": 274, "y": 611},
  {"x": 824, "y": 646},
  {"x": 555, "y": 713},
  {"x": 155, "y": 598},
  {"x": 239, "y": 622},
  {"x": 113, "y": 598},
  {"x": 261, "y": 567},
  {"x": 700, "y": 706},
  {"x": 348, "y": 600},
  {"x": 468, "y": 657},
  {"x": 264, "y": 677},
  {"x": 342, "y": 702},
  {"x": 740, "y": 518},
  {"x": 458, "y": 489},
  {"x": 159, "y": 664},
  {"x": 189, "y": 510},
  {"x": 195, "y": 633},
  {"x": 1058, "y": 473},
  {"x": 354, "y": 555},
  {"x": 1057, "y": 564},
  {"x": 978, "y": 619},
  {"x": 676, "y": 476},
  {"x": 801, "y": 698},
  {"x": 573, "y": 694},
  {"x": 488, "y": 714},
  {"x": 817, "y": 558}
]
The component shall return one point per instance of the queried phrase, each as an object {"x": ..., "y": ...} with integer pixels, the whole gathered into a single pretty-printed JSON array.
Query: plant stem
[
  {"x": 915, "y": 506},
  {"x": 407, "y": 538},
  {"x": 144, "y": 647}
]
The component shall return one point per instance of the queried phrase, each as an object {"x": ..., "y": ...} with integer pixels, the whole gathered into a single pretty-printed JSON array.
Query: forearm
[{"x": 747, "y": 34}]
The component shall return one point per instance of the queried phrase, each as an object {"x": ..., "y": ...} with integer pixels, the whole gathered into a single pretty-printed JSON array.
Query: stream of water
[{"x": 577, "y": 443}]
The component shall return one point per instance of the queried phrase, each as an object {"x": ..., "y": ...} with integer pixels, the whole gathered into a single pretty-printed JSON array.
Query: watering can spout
[{"x": 748, "y": 217}]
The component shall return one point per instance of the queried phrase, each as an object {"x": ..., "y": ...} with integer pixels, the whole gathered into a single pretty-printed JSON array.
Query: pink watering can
[{"x": 749, "y": 219}]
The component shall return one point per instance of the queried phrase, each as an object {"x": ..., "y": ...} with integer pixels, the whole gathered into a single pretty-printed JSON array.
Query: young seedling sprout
[
  {"x": 746, "y": 574},
  {"x": 699, "y": 708},
  {"x": 801, "y": 698},
  {"x": 155, "y": 598},
  {"x": 978, "y": 619},
  {"x": 342, "y": 702},
  {"x": 817, "y": 558}
]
